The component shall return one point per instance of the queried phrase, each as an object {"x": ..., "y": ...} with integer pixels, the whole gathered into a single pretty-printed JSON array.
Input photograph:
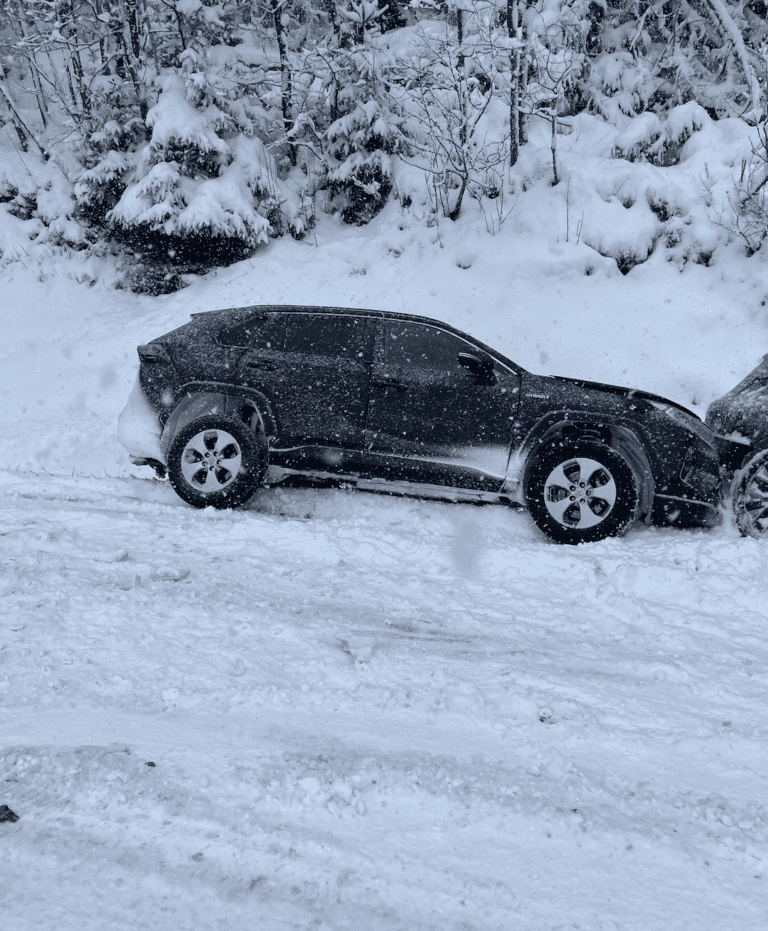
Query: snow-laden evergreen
[{"x": 341, "y": 106}]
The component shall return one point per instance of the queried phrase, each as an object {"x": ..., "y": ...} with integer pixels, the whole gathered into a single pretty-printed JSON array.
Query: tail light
[
  {"x": 154, "y": 353},
  {"x": 158, "y": 376}
]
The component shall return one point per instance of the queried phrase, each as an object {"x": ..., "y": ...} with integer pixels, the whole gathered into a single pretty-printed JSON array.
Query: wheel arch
[
  {"x": 619, "y": 437},
  {"x": 253, "y": 410}
]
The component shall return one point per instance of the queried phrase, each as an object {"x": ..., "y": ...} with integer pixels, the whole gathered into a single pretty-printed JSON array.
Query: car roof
[
  {"x": 333, "y": 311},
  {"x": 238, "y": 313}
]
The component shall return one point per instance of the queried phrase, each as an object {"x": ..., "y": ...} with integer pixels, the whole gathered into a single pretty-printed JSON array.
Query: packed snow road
[{"x": 373, "y": 713}]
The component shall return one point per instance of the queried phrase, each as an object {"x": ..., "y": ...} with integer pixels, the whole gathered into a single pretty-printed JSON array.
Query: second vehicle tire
[{"x": 750, "y": 497}]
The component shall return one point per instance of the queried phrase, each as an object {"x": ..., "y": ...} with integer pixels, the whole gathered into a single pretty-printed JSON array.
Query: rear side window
[
  {"x": 267, "y": 331},
  {"x": 330, "y": 336},
  {"x": 413, "y": 345}
]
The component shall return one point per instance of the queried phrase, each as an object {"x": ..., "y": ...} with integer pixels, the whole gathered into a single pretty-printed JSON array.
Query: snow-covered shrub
[
  {"x": 622, "y": 229},
  {"x": 184, "y": 134},
  {"x": 99, "y": 188},
  {"x": 109, "y": 139},
  {"x": 747, "y": 213},
  {"x": 359, "y": 132},
  {"x": 196, "y": 196},
  {"x": 620, "y": 85},
  {"x": 649, "y": 138},
  {"x": 43, "y": 197},
  {"x": 659, "y": 55},
  {"x": 359, "y": 146},
  {"x": 149, "y": 277},
  {"x": 456, "y": 118}
]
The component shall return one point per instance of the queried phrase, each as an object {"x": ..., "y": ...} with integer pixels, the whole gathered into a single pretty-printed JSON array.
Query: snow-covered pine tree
[
  {"x": 195, "y": 195},
  {"x": 363, "y": 133}
]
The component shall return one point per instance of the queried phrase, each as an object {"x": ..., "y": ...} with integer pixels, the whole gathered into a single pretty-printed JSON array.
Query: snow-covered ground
[{"x": 368, "y": 712}]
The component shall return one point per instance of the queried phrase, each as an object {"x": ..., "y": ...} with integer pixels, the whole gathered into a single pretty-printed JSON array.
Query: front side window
[{"x": 418, "y": 346}]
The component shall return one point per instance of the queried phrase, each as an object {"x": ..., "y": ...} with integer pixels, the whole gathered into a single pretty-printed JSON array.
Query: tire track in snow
[{"x": 499, "y": 694}]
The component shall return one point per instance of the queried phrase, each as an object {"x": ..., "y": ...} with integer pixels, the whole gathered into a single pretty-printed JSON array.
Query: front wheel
[
  {"x": 580, "y": 492},
  {"x": 750, "y": 498},
  {"x": 216, "y": 461}
]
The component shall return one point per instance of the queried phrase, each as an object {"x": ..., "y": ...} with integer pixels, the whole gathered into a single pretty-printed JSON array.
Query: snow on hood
[
  {"x": 743, "y": 411},
  {"x": 626, "y": 392}
]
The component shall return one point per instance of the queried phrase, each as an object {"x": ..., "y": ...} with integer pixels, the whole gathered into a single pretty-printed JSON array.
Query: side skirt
[{"x": 293, "y": 477}]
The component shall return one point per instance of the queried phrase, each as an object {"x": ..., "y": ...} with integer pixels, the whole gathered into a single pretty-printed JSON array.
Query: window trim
[{"x": 477, "y": 349}]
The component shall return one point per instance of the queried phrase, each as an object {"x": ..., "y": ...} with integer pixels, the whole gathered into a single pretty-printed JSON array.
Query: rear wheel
[
  {"x": 750, "y": 499},
  {"x": 581, "y": 491},
  {"x": 216, "y": 461}
]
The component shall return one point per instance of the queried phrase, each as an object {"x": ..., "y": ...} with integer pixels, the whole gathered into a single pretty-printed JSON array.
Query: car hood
[
  {"x": 629, "y": 393},
  {"x": 743, "y": 412}
]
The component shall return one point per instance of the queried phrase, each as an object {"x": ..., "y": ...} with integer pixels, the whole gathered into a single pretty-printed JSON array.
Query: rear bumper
[{"x": 138, "y": 428}]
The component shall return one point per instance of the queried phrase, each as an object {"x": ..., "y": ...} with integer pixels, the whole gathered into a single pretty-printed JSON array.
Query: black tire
[
  {"x": 750, "y": 497},
  {"x": 581, "y": 491},
  {"x": 216, "y": 461}
]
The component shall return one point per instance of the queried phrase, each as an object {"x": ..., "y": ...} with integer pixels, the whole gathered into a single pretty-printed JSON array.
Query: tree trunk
[
  {"x": 33, "y": 67},
  {"x": 132, "y": 60},
  {"x": 285, "y": 75},
  {"x": 514, "y": 98},
  {"x": 77, "y": 68},
  {"x": 21, "y": 127},
  {"x": 729, "y": 28},
  {"x": 553, "y": 146},
  {"x": 523, "y": 82},
  {"x": 461, "y": 68},
  {"x": 132, "y": 7},
  {"x": 454, "y": 214}
]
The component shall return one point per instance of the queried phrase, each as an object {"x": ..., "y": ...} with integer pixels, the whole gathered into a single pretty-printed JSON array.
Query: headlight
[
  {"x": 689, "y": 422},
  {"x": 701, "y": 469}
]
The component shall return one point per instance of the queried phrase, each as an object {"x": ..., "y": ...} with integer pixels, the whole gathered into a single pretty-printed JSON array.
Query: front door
[{"x": 430, "y": 418}]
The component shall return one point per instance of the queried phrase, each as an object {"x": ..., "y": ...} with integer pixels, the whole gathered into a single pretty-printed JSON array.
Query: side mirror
[{"x": 482, "y": 369}]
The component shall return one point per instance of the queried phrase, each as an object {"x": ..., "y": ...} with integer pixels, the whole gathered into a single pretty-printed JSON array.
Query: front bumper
[
  {"x": 733, "y": 453},
  {"x": 671, "y": 510}
]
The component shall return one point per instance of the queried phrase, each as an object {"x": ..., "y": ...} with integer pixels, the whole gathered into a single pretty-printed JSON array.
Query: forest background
[{"x": 185, "y": 135}]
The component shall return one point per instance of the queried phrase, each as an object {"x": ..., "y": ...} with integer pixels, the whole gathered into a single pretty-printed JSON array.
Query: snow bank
[
  {"x": 418, "y": 715},
  {"x": 375, "y": 712}
]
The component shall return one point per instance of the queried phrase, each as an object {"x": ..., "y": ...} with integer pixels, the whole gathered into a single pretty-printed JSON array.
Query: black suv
[{"x": 401, "y": 403}]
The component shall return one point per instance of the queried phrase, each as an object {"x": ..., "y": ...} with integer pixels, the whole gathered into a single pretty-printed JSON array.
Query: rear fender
[{"x": 253, "y": 410}]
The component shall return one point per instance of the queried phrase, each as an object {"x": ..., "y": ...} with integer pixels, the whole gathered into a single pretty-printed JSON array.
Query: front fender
[{"x": 581, "y": 425}]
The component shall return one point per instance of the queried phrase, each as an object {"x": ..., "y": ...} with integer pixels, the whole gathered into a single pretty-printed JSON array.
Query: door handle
[
  {"x": 261, "y": 366},
  {"x": 392, "y": 383}
]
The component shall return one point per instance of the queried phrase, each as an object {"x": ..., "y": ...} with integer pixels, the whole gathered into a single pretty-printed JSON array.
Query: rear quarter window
[
  {"x": 329, "y": 336},
  {"x": 265, "y": 331}
]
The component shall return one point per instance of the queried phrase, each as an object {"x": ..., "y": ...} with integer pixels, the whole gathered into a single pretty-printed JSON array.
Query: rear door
[
  {"x": 315, "y": 371},
  {"x": 430, "y": 419}
]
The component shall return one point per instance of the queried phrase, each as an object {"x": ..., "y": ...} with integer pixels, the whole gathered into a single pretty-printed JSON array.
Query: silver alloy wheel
[
  {"x": 754, "y": 501},
  {"x": 211, "y": 460},
  {"x": 580, "y": 493}
]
